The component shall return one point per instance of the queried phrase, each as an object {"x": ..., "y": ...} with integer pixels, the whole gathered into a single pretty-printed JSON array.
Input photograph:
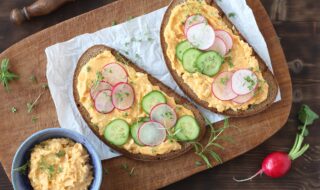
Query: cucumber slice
[
  {"x": 134, "y": 130},
  {"x": 117, "y": 132},
  {"x": 181, "y": 48},
  {"x": 209, "y": 63},
  {"x": 151, "y": 99},
  {"x": 189, "y": 59},
  {"x": 188, "y": 128}
]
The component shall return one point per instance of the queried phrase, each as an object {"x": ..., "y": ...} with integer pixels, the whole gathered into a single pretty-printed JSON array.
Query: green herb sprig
[
  {"x": 127, "y": 169},
  {"x": 105, "y": 171},
  {"x": 13, "y": 109},
  {"x": 228, "y": 59},
  {"x": 44, "y": 166},
  {"x": 34, "y": 119},
  {"x": 5, "y": 75},
  {"x": 60, "y": 153},
  {"x": 45, "y": 86},
  {"x": 232, "y": 15},
  {"x": 33, "y": 79},
  {"x": 22, "y": 169},
  {"x": 306, "y": 117},
  {"x": 251, "y": 83},
  {"x": 30, "y": 105},
  {"x": 99, "y": 78},
  {"x": 204, "y": 151}
]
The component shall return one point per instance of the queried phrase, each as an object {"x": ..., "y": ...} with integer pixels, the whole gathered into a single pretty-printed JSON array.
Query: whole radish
[{"x": 277, "y": 164}]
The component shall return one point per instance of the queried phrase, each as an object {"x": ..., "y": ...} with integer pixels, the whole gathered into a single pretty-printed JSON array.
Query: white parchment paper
[{"x": 138, "y": 39}]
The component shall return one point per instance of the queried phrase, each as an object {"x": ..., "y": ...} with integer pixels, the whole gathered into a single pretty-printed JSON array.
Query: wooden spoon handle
[{"x": 38, "y": 8}]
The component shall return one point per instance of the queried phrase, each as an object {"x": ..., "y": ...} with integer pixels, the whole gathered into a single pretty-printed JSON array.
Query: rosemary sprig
[
  {"x": 204, "y": 150},
  {"x": 5, "y": 75}
]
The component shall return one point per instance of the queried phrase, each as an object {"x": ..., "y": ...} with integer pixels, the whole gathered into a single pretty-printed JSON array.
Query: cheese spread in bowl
[{"x": 56, "y": 159}]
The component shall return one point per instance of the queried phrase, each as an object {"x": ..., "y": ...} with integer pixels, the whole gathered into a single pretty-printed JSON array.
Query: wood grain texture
[{"x": 221, "y": 177}]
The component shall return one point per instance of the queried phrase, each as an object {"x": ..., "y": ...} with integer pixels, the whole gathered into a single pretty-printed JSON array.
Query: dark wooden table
[{"x": 298, "y": 26}]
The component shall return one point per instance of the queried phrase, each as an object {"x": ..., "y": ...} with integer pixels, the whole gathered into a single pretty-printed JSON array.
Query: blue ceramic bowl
[{"x": 22, "y": 155}]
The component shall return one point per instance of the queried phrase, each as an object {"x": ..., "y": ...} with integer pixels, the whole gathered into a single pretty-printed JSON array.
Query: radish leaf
[{"x": 306, "y": 115}]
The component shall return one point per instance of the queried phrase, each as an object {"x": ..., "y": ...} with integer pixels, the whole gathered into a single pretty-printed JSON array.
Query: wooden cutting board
[{"x": 27, "y": 58}]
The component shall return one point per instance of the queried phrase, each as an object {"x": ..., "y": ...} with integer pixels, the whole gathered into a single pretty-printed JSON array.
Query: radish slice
[
  {"x": 243, "y": 98},
  {"x": 122, "y": 96},
  {"x": 244, "y": 81},
  {"x": 226, "y": 37},
  {"x": 152, "y": 133},
  {"x": 103, "y": 102},
  {"x": 192, "y": 20},
  {"x": 219, "y": 46},
  {"x": 101, "y": 86},
  {"x": 163, "y": 114},
  {"x": 221, "y": 87},
  {"x": 114, "y": 73},
  {"x": 201, "y": 36}
]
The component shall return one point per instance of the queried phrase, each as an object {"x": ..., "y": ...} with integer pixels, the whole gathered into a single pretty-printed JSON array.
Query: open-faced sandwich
[
  {"x": 130, "y": 110},
  {"x": 212, "y": 63}
]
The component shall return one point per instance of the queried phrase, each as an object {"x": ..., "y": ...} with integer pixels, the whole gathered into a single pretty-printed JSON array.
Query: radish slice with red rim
[
  {"x": 243, "y": 98},
  {"x": 221, "y": 87},
  {"x": 95, "y": 89},
  {"x": 164, "y": 114},
  {"x": 226, "y": 37},
  {"x": 201, "y": 36},
  {"x": 122, "y": 96},
  {"x": 114, "y": 73},
  {"x": 103, "y": 102},
  {"x": 192, "y": 20},
  {"x": 219, "y": 46},
  {"x": 152, "y": 133},
  {"x": 244, "y": 81}
]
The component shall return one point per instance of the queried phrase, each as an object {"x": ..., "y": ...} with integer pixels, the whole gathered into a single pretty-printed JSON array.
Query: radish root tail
[{"x": 249, "y": 178}]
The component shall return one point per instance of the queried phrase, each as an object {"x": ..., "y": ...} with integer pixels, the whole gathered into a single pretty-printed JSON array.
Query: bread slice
[
  {"x": 96, "y": 50},
  {"x": 266, "y": 73}
]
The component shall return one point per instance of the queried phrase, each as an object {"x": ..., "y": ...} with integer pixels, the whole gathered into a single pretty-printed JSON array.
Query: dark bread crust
[
  {"x": 266, "y": 73},
  {"x": 96, "y": 50}
]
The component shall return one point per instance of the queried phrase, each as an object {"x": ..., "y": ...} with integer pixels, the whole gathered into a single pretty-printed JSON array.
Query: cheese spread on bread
[
  {"x": 141, "y": 85},
  {"x": 241, "y": 56}
]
